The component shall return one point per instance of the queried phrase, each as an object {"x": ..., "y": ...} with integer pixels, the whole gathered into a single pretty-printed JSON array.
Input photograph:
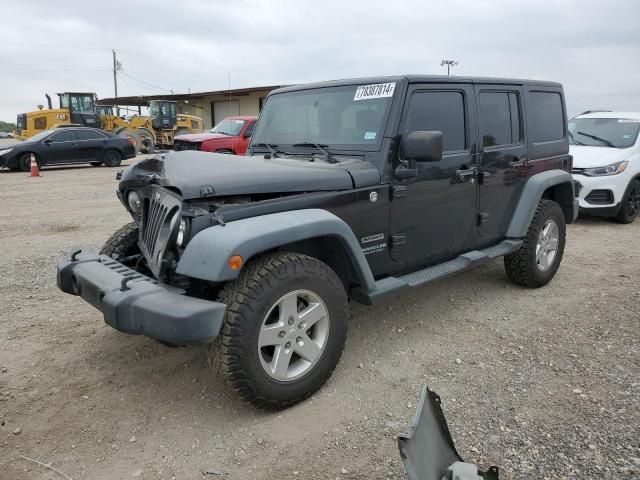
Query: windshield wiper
[
  {"x": 330, "y": 158},
  {"x": 273, "y": 149},
  {"x": 574, "y": 138},
  {"x": 598, "y": 139}
]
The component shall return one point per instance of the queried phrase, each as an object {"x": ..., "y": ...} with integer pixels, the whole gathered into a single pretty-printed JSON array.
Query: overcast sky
[{"x": 592, "y": 47}]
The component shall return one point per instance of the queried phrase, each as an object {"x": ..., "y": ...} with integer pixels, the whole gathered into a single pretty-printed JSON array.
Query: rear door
[
  {"x": 90, "y": 145},
  {"x": 61, "y": 147},
  {"x": 433, "y": 214},
  {"x": 503, "y": 156}
]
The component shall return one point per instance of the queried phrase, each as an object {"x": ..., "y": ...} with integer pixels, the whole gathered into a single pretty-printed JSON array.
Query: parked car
[
  {"x": 231, "y": 136},
  {"x": 60, "y": 146},
  {"x": 354, "y": 189},
  {"x": 6, "y": 135},
  {"x": 606, "y": 163}
]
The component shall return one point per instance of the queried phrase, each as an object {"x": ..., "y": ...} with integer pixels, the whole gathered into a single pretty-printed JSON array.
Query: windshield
[
  {"x": 41, "y": 135},
  {"x": 82, "y": 103},
  {"x": 229, "y": 126},
  {"x": 604, "y": 132},
  {"x": 337, "y": 117}
]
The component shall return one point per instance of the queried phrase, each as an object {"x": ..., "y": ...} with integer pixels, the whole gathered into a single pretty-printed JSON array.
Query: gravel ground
[{"x": 543, "y": 383}]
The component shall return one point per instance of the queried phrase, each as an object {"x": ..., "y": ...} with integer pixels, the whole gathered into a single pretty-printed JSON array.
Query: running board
[{"x": 392, "y": 285}]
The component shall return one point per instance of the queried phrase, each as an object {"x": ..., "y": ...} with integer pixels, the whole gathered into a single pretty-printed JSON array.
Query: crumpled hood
[
  {"x": 589, "y": 157},
  {"x": 202, "y": 174},
  {"x": 200, "y": 137}
]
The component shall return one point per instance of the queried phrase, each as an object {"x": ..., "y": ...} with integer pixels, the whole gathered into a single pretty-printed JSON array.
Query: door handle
[
  {"x": 517, "y": 163},
  {"x": 466, "y": 173}
]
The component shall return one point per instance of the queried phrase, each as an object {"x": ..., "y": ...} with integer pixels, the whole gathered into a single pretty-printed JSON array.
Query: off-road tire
[
  {"x": 111, "y": 158},
  {"x": 521, "y": 266},
  {"x": 24, "y": 163},
  {"x": 234, "y": 356},
  {"x": 123, "y": 243},
  {"x": 630, "y": 205}
]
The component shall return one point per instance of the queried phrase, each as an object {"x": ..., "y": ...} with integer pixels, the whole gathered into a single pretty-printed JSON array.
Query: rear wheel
[
  {"x": 536, "y": 263},
  {"x": 284, "y": 330},
  {"x": 111, "y": 158},
  {"x": 630, "y": 204}
]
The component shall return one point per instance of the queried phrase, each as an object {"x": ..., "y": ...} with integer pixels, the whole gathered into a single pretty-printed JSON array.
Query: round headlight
[
  {"x": 134, "y": 202},
  {"x": 182, "y": 232}
]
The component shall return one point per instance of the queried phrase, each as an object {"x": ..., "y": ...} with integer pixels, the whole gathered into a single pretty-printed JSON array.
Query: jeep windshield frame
[{"x": 330, "y": 116}]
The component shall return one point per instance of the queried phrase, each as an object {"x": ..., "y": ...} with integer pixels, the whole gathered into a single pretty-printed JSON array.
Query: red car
[{"x": 231, "y": 135}]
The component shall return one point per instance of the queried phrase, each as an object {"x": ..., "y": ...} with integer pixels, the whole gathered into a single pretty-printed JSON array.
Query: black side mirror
[
  {"x": 47, "y": 141},
  {"x": 422, "y": 146}
]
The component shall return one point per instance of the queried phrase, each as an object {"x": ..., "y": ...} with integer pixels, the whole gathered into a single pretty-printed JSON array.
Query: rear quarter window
[{"x": 546, "y": 116}]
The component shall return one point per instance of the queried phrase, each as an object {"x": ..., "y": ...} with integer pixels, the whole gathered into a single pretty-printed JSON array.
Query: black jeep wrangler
[{"x": 351, "y": 190}]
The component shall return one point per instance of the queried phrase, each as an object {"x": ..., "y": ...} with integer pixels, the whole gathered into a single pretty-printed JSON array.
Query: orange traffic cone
[{"x": 35, "y": 171}]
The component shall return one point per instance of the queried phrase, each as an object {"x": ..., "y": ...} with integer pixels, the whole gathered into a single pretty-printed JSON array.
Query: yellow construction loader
[
  {"x": 158, "y": 129},
  {"x": 74, "y": 109}
]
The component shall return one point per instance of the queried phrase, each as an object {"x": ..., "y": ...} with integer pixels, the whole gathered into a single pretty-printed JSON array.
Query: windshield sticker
[
  {"x": 378, "y": 90},
  {"x": 628, "y": 120},
  {"x": 369, "y": 135}
]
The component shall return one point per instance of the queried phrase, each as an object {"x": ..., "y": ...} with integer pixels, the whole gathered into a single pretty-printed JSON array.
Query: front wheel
[
  {"x": 630, "y": 204},
  {"x": 284, "y": 331},
  {"x": 123, "y": 243},
  {"x": 536, "y": 263},
  {"x": 25, "y": 162}
]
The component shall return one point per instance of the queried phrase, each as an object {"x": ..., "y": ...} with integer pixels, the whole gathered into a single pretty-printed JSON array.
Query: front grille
[
  {"x": 184, "y": 145},
  {"x": 160, "y": 221},
  {"x": 600, "y": 197}
]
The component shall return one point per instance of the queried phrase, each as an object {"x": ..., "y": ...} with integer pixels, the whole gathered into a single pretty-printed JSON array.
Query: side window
[
  {"x": 64, "y": 136},
  {"x": 499, "y": 118},
  {"x": 249, "y": 131},
  {"x": 89, "y": 135},
  {"x": 546, "y": 116},
  {"x": 440, "y": 111}
]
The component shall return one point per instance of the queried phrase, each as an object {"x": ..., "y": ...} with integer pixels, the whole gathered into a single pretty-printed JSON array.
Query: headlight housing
[
  {"x": 133, "y": 199},
  {"x": 5, "y": 151},
  {"x": 613, "y": 169},
  {"x": 182, "y": 233}
]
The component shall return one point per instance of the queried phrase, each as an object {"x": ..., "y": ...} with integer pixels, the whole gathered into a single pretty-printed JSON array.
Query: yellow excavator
[{"x": 158, "y": 129}]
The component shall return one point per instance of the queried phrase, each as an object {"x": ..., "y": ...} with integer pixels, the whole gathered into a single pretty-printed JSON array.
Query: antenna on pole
[{"x": 449, "y": 64}]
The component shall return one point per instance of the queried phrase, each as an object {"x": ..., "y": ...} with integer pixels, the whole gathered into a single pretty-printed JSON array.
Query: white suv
[{"x": 606, "y": 163}]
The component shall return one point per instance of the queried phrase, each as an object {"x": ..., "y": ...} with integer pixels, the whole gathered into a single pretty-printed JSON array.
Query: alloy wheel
[{"x": 547, "y": 246}]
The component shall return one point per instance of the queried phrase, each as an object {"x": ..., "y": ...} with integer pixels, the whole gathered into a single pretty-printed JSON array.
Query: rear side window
[
  {"x": 499, "y": 118},
  {"x": 546, "y": 116},
  {"x": 64, "y": 136},
  {"x": 89, "y": 135},
  {"x": 440, "y": 111}
]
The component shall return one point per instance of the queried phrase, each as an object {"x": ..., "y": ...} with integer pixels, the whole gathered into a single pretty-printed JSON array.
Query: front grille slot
[
  {"x": 184, "y": 145},
  {"x": 160, "y": 220}
]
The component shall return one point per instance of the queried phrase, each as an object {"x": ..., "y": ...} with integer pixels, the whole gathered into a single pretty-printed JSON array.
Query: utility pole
[
  {"x": 449, "y": 64},
  {"x": 115, "y": 73}
]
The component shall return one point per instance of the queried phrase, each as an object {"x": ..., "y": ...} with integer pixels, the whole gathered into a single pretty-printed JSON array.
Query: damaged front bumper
[
  {"x": 427, "y": 450},
  {"x": 137, "y": 304}
]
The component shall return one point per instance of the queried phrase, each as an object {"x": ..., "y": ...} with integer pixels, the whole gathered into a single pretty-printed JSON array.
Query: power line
[
  {"x": 45, "y": 45},
  {"x": 145, "y": 82}
]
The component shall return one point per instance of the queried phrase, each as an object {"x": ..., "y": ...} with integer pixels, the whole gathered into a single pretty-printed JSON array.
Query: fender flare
[
  {"x": 207, "y": 253},
  {"x": 531, "y": 195}
]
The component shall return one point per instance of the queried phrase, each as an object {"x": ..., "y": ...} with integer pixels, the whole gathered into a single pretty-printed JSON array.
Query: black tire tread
[
  {"x": 518, "y": 264},
  {"x": 622, "y": 216},
  {"x": 239, "y": 295},
  {"x": 121, "y": 242}
]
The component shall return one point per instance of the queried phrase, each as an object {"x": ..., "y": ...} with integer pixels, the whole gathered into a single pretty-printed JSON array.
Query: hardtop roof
[{"x": 414, "y": 78}]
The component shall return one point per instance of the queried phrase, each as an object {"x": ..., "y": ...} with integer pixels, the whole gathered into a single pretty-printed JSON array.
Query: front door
[
  {"x": 61, "y": 147},
  {"x": 433, "y": 214},
  {"x": 503, "y": 156}
]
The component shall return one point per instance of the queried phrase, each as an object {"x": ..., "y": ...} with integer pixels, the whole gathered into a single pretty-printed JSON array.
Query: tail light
[{"x": 131, "y": 141}]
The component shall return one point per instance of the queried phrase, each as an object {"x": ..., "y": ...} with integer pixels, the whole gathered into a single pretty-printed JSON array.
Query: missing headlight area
[{"x": 427, "y": 450}]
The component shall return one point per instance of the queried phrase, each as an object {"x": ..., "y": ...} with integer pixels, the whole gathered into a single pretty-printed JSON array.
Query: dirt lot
[{"x": 543, "y": 383}]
